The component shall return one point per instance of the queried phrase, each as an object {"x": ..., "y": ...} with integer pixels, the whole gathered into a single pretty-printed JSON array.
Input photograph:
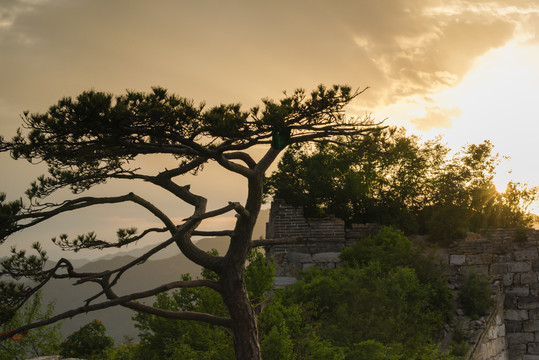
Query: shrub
[{"x": 475, "y": 295}]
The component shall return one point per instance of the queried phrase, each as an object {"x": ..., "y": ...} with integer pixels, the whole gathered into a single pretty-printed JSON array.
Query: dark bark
[
  {"x": 243, "y": 315},
  {"x": 232, "y": 279}
]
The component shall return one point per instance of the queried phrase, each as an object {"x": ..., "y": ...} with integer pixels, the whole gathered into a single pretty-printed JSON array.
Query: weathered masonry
[{"x": 509, "y": 257}]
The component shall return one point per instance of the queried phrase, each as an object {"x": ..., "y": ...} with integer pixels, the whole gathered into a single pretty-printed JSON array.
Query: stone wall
[
  {"x": 509, "y": 257},
  {"x": 322, "y": 241},
  {"x": 491, "y": 343}
]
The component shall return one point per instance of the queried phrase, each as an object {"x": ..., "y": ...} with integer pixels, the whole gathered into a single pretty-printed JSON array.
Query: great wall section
[{"x": 510, "y": 258}]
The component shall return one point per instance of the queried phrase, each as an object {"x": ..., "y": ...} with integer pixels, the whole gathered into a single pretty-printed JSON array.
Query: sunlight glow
[{"x": 496, "y": 101}]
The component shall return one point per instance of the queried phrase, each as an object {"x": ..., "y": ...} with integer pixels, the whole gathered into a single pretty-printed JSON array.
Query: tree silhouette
[{"x": 96, "y": 137}]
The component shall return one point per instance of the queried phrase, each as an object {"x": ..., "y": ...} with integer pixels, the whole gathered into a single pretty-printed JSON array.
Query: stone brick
[
  {"x": 520, "y": 266},
  {"x": 525, "y": 255},
  {"x": 507, "y": 279},
  {"x": 499, "y": 269},
  {"x": 516, "y": 351},
  {"x": 501, "y": 330},
  {"x": 534, "y": 290},
  {"x": 479, "y": 259},
  {"x": 519, "y": 338},
  {"x": 513, "y": 326},
  {"x": 516, "y": 315},
  {"x": 457, "y": 259},
  {"x": 528, "y": 278},
  {"x": 533, "y": 314},
  {"x": 518, "y": 290},
  {"x": 530, "y": 326},
  {"x": 478, "y": 269},
  {"x": 528, "y": 302},
  {"x": 326, "y": 257},
  {"x": 511, "y": 301},
  {"x": 282, "y": 281},
  {"x": 299, "y": 257}
]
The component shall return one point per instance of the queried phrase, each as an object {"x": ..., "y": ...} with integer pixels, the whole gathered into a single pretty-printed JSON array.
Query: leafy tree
[
  {"x": 41, "y": 342},
  {"x": 89, "y": 342},
  {"x": 126, "y": 351},
  {"x": 287, "y": 331},
  {"x": 393, "y": 179},
  {"x": 388, "y": 298},
  {"x": 96, "y": 137}
]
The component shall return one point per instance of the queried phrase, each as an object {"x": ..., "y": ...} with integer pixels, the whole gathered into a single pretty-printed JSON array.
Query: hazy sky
[{"x": 465, "y": 69}]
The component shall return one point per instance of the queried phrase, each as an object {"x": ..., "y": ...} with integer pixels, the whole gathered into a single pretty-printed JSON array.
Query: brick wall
[{"x": 322, "y": 241}]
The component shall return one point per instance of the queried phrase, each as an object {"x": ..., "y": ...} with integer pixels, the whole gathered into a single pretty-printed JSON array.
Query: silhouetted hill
[{"x": 142, "y": 277}]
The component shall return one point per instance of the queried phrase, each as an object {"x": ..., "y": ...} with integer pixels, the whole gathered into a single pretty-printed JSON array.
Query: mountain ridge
[{"x": 152, "y": 273}]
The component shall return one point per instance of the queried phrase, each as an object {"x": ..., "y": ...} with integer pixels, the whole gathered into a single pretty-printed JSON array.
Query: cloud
[
  {"x": 424, "y": 47},
  {"x": 10, "y": 10},
  {"x": 436, "y": 117},
  {"x": 244, "y": 50}
]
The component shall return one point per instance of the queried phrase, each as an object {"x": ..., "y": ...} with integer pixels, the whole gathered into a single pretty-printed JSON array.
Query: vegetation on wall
[
  {"x": 475, "y": 295},
  {"x": 391, "y": 178}
]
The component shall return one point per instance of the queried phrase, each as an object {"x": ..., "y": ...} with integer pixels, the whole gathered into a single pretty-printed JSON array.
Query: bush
[
  {"x": 475, "y": 295},
  {"x": 89, "y": 342},
  {"x": 386, "y": 291}
]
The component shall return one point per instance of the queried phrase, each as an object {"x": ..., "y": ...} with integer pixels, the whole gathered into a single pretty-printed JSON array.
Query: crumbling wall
[
  {"x": 510, "y": 258},
  {"x": 491, "y": 344},
  {"x": 322, "y": 240}
]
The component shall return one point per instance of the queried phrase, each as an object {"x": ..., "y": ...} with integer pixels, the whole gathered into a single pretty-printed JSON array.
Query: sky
[{"x": 467, "y": 70}]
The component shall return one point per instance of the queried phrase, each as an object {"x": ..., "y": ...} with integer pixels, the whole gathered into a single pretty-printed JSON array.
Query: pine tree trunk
[{"x": 244, "y": 319}]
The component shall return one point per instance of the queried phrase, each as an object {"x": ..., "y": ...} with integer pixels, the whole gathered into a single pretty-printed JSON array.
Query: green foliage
[
  {"x": 459, "y": 342},
  {"x": 287, "y": 330},
  {"x": 37, "y": 342},
  {"x": 259, "y": 275},
  {"x": 386, "y": 302},
  {"x": 475, "y": 295},
  {"x": 359, "y": 304},
  {"x": 89, "y": 342},
  {"x": 16, "y": 266},
  {"x": 374, "y": 350},
  {"x": 88, "y": 139},
  {"x": 7, "y": 210},
  {"x": 390, "y": 249},
  {"x": 385, "y": 292},
  {"x": 393, "y": 179},
  {"x": 163, "y": 338},
  {"x": 124, "y": 352},
  {"x": 277, "y": 344}
]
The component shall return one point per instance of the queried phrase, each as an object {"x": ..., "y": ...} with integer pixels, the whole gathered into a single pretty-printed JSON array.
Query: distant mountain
[
  {"x": 258, "y": 232},
  {"x": 146, "y": 276}
]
